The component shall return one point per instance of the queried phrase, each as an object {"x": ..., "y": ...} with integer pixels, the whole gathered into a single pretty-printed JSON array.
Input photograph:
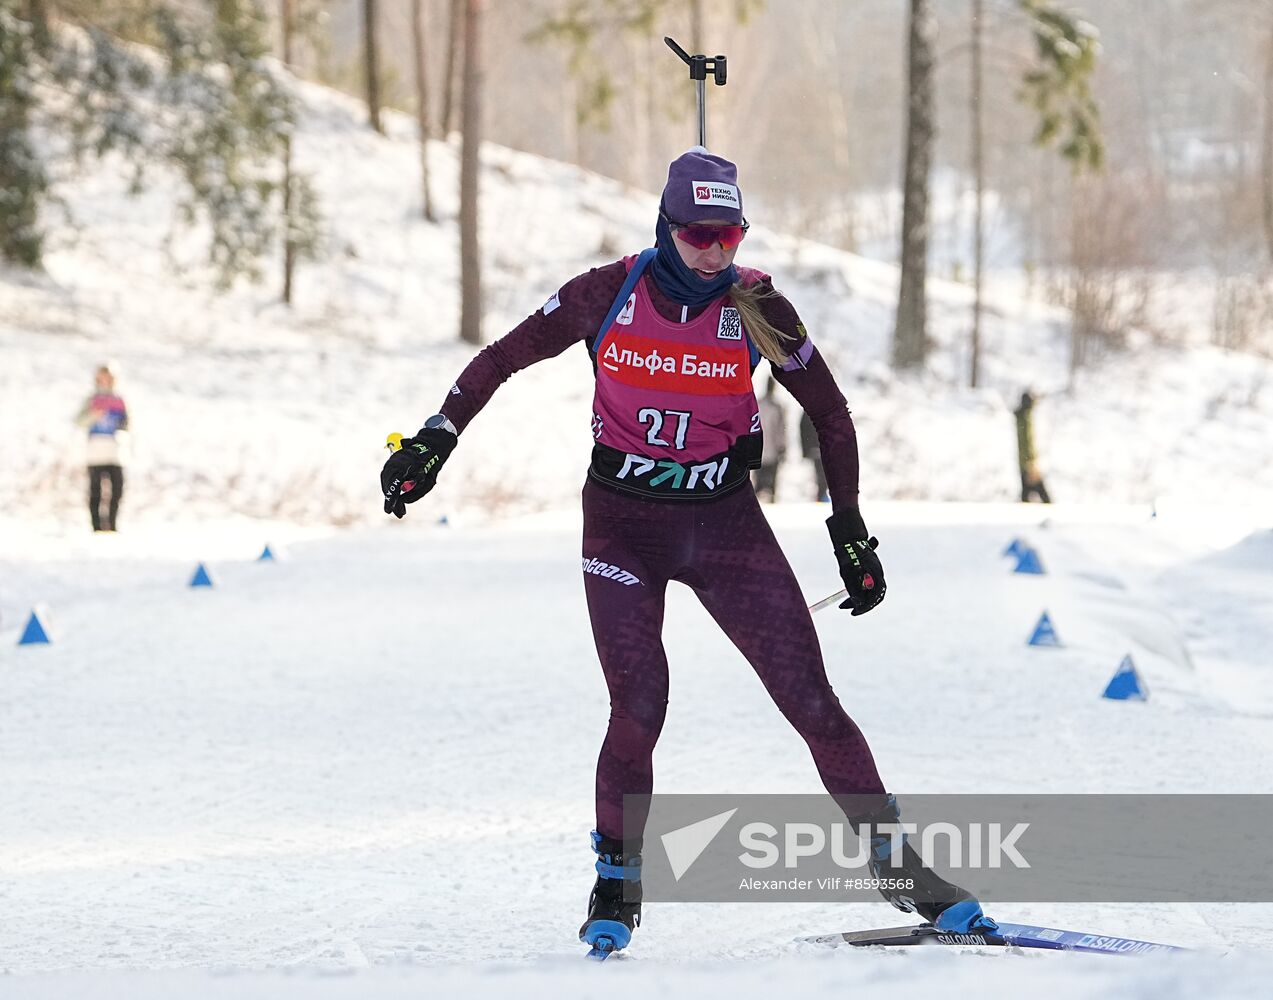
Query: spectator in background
[
  {"x": 811, "y": 450},
  {"x": 106, "y": 418},
  {"x": 774, "y": 421},
  {"x": 1027, "y": 457}
]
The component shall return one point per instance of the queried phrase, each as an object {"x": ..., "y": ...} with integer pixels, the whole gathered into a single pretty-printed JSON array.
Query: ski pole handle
[
  {"x": 826, "y": 602},
  {"x": 394, "y": 443}
]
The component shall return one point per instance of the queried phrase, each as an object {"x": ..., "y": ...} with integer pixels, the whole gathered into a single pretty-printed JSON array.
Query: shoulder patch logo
[
  {"x": 730, "y": 326},
  {"x": 553, "y": 302},
  {"x": 625, "y": 314}
]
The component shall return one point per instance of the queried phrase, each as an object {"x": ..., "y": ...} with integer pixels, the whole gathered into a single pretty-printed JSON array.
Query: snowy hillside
[
  {"x": 366, "y": 769},
  {"x": 239, "y": 403}
]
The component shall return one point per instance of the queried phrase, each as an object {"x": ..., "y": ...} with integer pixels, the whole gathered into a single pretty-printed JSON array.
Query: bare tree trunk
[
  {"x": 639, "y": 138},
  {"x": 38, "y": 12},
  {"x": 697, "y": 42},
  {"x": 1266, "y": 166},
  {"x": 910, "y": 343},
  {"x": 570, "y": 119},
  {"x": 289, "y": 244},
  {"x": 422, "y": 101},
  {"x": 371, "y": 60},
  {"x": 471, "y": 125},
  {"x": 454, "y": 40},
  {"x": 824, "y": 54},
  {"x": 1083, "y": 256},
  {"x": 979, "y": 179}
]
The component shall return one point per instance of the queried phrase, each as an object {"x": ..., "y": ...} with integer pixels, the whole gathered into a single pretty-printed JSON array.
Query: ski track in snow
[{"x": 376, "y": 754}]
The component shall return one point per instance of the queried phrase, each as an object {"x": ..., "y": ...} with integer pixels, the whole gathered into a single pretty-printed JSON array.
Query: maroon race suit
[{"x": 668, "y": 498}]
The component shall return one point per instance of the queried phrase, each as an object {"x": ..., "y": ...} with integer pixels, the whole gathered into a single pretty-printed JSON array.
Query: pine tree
[
  {"x": 23, "y": 181},
  {"x": 1059, "y": 86},
  {"x": 202, "y": 99},
  {"x": 371, "y": 63},
  {"x": 423, "y": 120},
  {"x": 1266, "y": 145},
  {"x": 910, "y": 336},
  {"x": 301, "y": 216},
  {"x": 454, "y": 41},
  {"x": 471, "y": 123}
]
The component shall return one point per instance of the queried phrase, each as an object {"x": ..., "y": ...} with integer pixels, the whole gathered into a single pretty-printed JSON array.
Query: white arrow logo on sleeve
[{"x": 684, "y": 846}]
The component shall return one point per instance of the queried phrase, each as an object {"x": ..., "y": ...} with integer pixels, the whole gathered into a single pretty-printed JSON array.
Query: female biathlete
[{"x": 675, "y": 334}]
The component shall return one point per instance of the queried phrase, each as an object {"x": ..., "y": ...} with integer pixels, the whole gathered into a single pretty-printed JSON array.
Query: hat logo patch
[{"x": 712, "y": 193}]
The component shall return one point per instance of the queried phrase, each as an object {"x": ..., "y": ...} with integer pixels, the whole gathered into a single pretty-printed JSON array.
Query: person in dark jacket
[
  {"x": 774, "y": 421},
  {"x": 1028, "y": 459},
  {"x": 811, "y": 448}
]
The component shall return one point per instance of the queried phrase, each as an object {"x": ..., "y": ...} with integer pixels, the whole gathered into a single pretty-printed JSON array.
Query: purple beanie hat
[{"x": 702, "y": 186}]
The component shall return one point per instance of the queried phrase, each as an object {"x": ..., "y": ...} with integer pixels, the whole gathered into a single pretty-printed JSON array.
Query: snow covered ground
[
  {"x": 366, "y": 769},
  {"x": 374, "y": 757}
]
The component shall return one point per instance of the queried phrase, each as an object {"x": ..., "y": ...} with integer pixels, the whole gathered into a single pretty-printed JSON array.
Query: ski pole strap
[
  {"x": 631, "y": 871},
  {"x": 634, "y": 275}
]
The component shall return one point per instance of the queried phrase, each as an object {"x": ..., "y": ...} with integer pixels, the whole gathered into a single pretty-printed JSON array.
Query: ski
[{"x": 1015, "y": 935}]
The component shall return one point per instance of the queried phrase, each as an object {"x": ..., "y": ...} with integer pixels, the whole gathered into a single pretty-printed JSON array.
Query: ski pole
[
  {"x": 826, "y": 602},
  {"x": 699, "y": 65}
]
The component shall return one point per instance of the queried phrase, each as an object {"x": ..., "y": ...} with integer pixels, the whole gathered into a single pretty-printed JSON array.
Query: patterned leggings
[{"x": 725, "y": 551}]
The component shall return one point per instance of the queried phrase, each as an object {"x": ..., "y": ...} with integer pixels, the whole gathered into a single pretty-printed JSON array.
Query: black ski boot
[
  {"x": 914, "y": 888},
  {"x": 614, "y": 908}
]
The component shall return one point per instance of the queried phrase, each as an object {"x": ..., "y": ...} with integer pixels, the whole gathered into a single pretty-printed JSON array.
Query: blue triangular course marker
[
  {"x": 34, "y": 633},
  {"x": 1044, "y": 633},
  {"x": 201, "y": 578},
  {"x": 1015, "y": 549},
  {"x": 1126, "y": 684},
  {"x": 266, "y": 554},
  {"x": 1028, "y": 562}
]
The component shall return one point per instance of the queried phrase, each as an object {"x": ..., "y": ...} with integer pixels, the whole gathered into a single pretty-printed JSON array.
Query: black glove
[
  {"x": 860, "y": 567},
  {"x": 413, "y": 470}
]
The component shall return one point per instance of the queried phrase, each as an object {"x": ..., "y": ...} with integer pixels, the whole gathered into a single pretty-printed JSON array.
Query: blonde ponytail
[{"x": 768, "y": 338}]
